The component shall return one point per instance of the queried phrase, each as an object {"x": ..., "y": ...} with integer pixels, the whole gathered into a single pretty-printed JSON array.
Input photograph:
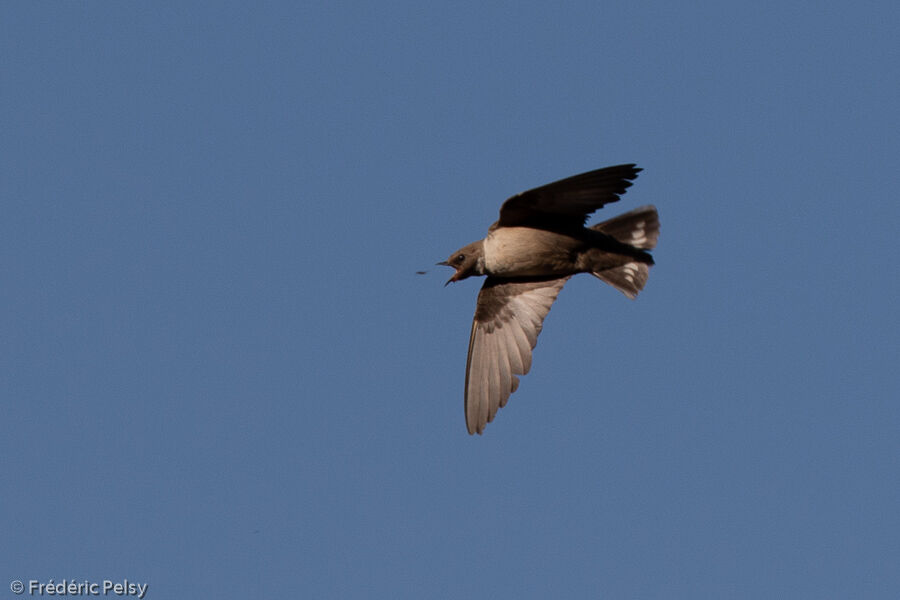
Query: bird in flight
[{"x": 539, "y": 242}]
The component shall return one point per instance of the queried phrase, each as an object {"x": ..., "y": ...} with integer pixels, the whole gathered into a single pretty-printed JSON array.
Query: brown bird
[{"x": 538, "y": 243}]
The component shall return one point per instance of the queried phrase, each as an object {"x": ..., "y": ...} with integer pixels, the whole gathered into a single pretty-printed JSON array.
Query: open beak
[
  {"x": 452, "y": 279},
  {"x": 444, "y": 263}
]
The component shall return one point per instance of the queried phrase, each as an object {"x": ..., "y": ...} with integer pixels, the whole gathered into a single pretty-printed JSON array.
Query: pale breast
[{"x": 523, "y": 252}]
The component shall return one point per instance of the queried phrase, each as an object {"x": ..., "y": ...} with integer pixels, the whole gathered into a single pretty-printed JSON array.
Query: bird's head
[{"x": 468, "y": 261}]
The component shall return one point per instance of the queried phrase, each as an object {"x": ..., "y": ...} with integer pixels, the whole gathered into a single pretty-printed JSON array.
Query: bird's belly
[{"x": 527, "y": 252}]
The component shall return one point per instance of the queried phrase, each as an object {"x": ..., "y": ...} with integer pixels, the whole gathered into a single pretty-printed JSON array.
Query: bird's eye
[{"x": 459, "y": 258}]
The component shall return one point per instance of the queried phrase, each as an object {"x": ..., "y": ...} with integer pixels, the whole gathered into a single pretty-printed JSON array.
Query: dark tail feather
[
  {"x": 629, "y": 279},
  {"x": 638, "y": 228}
]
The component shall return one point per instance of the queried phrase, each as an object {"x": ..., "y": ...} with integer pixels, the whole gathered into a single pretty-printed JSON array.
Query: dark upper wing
[
  {"x": 567, "y": 202},
  {"x": 507, "y": 322}
]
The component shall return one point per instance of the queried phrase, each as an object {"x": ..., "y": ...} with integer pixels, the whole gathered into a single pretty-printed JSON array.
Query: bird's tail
[{"x": 639, "y": 229}]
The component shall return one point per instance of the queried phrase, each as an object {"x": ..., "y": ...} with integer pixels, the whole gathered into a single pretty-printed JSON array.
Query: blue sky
[{"x": 221, "y": 376}]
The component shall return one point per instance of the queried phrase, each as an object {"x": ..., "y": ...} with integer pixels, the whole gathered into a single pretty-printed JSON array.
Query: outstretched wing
[
  {"x": 568, "y": 202},
  {"x": 508, "y": 319}
]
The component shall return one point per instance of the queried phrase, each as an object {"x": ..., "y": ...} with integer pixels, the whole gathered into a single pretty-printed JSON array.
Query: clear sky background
[{"x": 221, "y": 376}]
